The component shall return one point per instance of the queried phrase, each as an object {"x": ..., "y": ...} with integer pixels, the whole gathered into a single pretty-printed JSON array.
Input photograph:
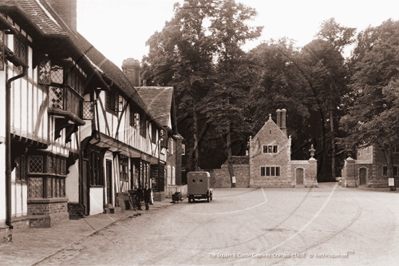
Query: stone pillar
[
  {"x": 350, "y": 175},
  {"x": 311, "y": 174}
]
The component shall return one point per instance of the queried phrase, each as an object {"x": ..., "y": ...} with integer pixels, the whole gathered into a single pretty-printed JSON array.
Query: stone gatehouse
[{"x": 269, "y": 161}]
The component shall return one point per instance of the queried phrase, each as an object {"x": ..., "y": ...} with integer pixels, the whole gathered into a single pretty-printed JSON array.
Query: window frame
[
  {"x": 270, "y": 171},
  {"x": 270, "y": 149}
]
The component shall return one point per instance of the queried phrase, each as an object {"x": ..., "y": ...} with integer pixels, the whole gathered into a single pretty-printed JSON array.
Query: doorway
[
  {"x": 109, "y": 181},
  {"x": 362, "y": 176},
  {"x": 299, "y": 176}
]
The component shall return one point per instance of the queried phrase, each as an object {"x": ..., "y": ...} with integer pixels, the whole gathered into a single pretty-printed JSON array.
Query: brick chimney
[
  {"x": 67, "y": 10},
  {"x": 282, "y": 119},
  {"x": 131, "y": 68}
]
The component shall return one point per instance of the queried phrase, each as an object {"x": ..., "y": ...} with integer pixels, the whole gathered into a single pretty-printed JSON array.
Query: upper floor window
[
  {"x": 171, "y": 146},
  {"x": 21, "y": 51},
  {"x": 153, "y": 134},
  {"x": 143, "y": 127},
  {"x": 270, "y": 148},
  {"x": 112, "y": 101}
]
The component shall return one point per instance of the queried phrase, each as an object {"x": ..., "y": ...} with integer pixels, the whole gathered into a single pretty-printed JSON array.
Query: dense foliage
[{"x": 224, "y": 94}]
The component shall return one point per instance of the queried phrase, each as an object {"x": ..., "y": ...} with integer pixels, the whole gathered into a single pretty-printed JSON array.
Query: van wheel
[{"x": 189, "y": 200}]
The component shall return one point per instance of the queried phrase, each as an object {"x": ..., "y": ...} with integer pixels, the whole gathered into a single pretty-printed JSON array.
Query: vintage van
[{"x": 198, "y": 184}]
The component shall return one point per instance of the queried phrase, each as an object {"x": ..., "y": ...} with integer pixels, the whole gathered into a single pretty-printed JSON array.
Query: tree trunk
[
  {"x": 229, "y": 162},
  {"x": 332, "y": 143},
  {"x": 195, "y": 135}
]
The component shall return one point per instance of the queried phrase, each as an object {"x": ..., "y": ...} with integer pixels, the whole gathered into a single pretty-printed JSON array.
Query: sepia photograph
[{"x": 199, "y": 132}]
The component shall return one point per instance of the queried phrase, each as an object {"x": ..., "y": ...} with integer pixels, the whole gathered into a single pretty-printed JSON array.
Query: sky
[{"x": 120, "y": 28}]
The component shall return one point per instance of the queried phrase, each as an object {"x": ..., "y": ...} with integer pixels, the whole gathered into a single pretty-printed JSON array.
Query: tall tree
[
  {"x": 374, "y": 114},
  {"x": 181, "y": 56},
  {"x": 225, "y": 105}
]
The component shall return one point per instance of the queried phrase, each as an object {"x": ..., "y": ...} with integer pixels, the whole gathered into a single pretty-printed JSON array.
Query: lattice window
[
  {"x": 21, "y": 51},
  {"x": 49, "y": 187},
  {"x": 35, "y": 188},
  {"x": 50, "y": 164},
  {"x": 56, "y": 97},
  {"x": 123, "y": 161},
  {"x": 62, "y": 189},
  {"x": 88, "y": 110},
  {"x": 57, "y": 74},
  {"x": 44, "y": 71},
  {"x": 35, "y": 164}
]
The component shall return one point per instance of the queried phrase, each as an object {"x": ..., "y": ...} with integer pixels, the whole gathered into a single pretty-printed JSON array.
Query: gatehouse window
[
  {"x": 270, "y": 171},
  {"x": 270, "y": 148},
  {"x": 395, "y": 170}
]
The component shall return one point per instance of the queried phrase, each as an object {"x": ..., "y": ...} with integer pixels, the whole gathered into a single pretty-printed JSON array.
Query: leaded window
[
  {"x": 44, "y": 71},
  {"x": 35, "y": 164},
  {"x": 57, "y": 74},
  {"x": 123, "y": 162}
]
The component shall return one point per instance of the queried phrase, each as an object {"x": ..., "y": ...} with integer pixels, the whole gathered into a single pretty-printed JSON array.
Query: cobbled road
[{"x": 329, "y": 225}]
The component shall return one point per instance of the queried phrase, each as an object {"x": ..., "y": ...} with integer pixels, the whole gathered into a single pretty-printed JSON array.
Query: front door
[
  {"x": 109, "y": 181},
  {"x": 299, "y": 176},
  {"x": 363, "y": 176}
]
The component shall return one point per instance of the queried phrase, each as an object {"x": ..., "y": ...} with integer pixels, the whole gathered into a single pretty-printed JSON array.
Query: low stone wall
[
  {"x": 47, "y": 212},
  {"x": 220, "y": 178}
]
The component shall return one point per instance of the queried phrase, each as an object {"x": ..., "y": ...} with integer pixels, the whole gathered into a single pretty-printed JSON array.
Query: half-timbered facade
[
  {"x": 42, "y": 85},
  {"x": 161, "y": 104},
  {"x": 78, "y": 136}
]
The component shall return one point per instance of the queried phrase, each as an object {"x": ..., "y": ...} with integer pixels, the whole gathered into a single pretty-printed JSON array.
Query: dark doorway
[
  {"x": 109, "y": 181},
  {"x": 299, "y": 176},
  {"x": 362, "y": 176},
  {"x": 86, "y": 188}
]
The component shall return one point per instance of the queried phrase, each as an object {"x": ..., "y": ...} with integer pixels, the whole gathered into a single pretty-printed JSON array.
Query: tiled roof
[
  {"x": 109, "y": 69},
  {"x": 159, "y": 102},
  {"x": 46, "y": 19},
  {"x": 34, "y": 11}
]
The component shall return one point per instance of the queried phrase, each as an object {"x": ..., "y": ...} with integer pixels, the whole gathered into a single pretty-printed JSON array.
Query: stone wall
[
  {"x": 45, "y": 213},
  {"x": 374, "y": 166},
  {"x": 220, "y": 178}
]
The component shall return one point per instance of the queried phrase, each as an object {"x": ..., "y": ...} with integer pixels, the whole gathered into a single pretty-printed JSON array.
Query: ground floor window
[
  {"x": 395, "y": 170},
  {"x": 46, "y": 173},
  {"x": 270, "y": 171}
]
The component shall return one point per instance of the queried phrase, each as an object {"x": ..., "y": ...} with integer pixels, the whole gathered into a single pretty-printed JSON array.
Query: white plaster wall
[
  {"x": 96, "y": 200},
  {"x": 72, "y": 183}
]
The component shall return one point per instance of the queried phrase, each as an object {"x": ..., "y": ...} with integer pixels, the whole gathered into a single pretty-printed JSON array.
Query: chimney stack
[
  {"x": 278, "y": 118},
  {"x": 282, "y": 119},
  {"x": 67, "y": 10},
  {"x": 131, "y": 69}
]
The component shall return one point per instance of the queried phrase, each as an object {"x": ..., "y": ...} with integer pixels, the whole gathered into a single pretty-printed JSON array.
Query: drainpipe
[{"x": 8, "y": 144}]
